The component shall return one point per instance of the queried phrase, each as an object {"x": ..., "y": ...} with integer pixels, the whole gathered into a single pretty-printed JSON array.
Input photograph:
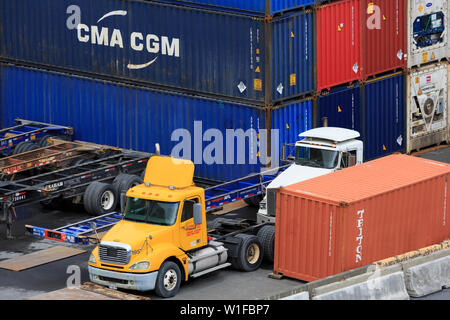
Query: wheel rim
[
  {"x": 170, "y": 280},
  {"x": 107, "y": 200},
  {"x": 252, "y": 253}
]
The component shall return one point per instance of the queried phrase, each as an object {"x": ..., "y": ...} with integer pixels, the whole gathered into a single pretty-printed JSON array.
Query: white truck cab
[{"x": 322, "y": 150}]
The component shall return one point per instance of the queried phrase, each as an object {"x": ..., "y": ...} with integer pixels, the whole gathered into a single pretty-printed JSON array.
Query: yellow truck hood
[{"x": 135, "y": 233}]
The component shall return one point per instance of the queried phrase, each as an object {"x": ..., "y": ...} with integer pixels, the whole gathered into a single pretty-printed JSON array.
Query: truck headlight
[
  {"x": 92, "y": 259},
  {"x": 143, "y": 265}
]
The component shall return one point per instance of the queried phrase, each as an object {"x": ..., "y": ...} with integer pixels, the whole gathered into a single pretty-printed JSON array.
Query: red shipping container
[
  {"x": 354, "y": 217},
  {"x": 358, "y": 39}
]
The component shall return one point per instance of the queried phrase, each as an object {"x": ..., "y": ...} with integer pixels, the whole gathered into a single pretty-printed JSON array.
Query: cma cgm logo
[{"x": 112, "y": 37}]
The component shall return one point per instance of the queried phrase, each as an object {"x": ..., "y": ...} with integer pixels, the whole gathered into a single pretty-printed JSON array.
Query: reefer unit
[
  {"x": 208, "y": 132},
  {"x": 162, "y": 46},
  {"x": 288, "y": 121},
  {"x": 427, "y": 106},
  {"x": 356, "y": 216},
  {"x": 427, "y": 31},
  {"x": 359, "y": 39},
  {"x": 258, "y": 7}
]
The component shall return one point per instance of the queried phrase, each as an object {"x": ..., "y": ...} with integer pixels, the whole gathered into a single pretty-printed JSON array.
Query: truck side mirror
[{"x": 198, "y": 214}]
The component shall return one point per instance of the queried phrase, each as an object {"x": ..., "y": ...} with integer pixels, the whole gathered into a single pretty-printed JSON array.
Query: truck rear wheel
[
  {"x": 99, "y": 198},
  {"x": 250, "y": 253},
  {"x": 266, "y": 236},
  {"x": 168, "y": 280}
]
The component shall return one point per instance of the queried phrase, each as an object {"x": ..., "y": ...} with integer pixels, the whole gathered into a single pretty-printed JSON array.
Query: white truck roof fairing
[{"x": 331, "y": 134}]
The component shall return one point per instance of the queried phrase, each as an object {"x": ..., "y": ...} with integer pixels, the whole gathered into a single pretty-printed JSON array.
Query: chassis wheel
[
  {"x": 18, "y": 148},
  {"x": 266, "y": 236},
  {"x": 123, "y": 182},
  {"x": 250, "y": 254},
  {"x": 99, "y": 198},
  {"x": 169, "y": 280}
]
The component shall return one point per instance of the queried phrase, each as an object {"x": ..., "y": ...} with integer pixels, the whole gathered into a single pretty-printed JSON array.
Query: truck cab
[
  {"x": 162, "y": 239},
  {"x": 321, "y": 151}
]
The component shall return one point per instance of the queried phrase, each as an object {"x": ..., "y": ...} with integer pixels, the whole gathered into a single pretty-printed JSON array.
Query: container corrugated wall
[
  {"x": 354, "y": 217},
  {"x": 293, "y": 62},
  {"x": 338, "y": 43},
  {"x": 206, "y": 52},
  {"x": 383, "y": 118},
  {"x": 250, "y": 6},
  {"x": 291, "y": 120},
  {"x": 383, "y": 36},
  {"x": 359, "y": 39},
  {"x": 127, "y": 117},
  {"x": 341, "y": 106}
]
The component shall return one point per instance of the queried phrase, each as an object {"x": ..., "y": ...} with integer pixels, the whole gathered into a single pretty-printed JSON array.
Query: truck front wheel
[{"x": 168, "y": 280}]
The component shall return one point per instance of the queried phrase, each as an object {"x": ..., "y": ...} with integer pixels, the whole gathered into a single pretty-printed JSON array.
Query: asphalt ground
[{"x": 226, "y": 284}]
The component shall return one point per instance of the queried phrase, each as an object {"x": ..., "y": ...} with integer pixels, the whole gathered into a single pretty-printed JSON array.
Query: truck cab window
[
  {"x": 188, "y": 209},
  {"x": 348, "y": 159}
]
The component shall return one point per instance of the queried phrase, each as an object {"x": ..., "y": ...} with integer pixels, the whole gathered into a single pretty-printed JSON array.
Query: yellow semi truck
[{"x": 163, "y": 239}]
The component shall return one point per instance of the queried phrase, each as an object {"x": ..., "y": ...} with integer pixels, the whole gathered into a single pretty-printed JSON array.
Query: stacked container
[
  {"x": 427, "y": 87},
  {"x": 374, "y": 108},
  {"x": 169, "y": 63},
  {"x": 427, "y": 106},
  {"x": 427, "y": 31},
  {"x": 359, "y": 39}
]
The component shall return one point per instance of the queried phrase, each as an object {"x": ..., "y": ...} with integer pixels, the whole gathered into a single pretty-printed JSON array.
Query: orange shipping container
[{"x": 357, "y": 216}]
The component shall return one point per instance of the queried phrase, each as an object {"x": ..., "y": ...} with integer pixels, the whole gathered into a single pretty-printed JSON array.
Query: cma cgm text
[{"x": 138, "y": 41}]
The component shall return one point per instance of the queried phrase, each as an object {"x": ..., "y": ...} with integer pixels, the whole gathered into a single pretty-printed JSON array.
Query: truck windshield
[
  {"x": 318, "y": 158},
  {"x": 150, "y": 211}
]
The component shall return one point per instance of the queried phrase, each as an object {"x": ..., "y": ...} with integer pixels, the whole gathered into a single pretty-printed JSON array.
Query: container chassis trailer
[
  {"x": 27, "y": 135},
  {"x": 248, "y": 188}
]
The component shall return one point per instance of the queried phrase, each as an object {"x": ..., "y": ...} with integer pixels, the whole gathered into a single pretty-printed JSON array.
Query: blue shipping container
[
  {"x": 258, "y": 7},
  {"x": 160, "y": 44},
  {"x": 376, "y": 110},
  {"x": 291, "y": 120},
  {"x": 384, "y": 116},
  {"x": 163, "y": 46},
  {"x": 136, "y": 118},
  {"x": 342, "y": 108},
  {"x": 293, "y": 58}
]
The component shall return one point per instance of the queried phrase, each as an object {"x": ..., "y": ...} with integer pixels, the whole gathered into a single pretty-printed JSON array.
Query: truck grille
[{"x": 114, "y": 255}]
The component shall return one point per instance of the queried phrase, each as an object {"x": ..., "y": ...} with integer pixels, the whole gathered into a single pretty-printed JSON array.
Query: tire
[
  {"x": 123, "y": 182},
  {"x": 87, "y": 198},
  {"x": 266, "y": 236},
  {"x": 18, "y": 148},
  {"x": 168, "y": 280},
  {"x": 250, "y": 254},
  {"x": 99, "y": 198},
  {"x": 29, "y": 146},
  {"x": 43, "y": 142}
]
